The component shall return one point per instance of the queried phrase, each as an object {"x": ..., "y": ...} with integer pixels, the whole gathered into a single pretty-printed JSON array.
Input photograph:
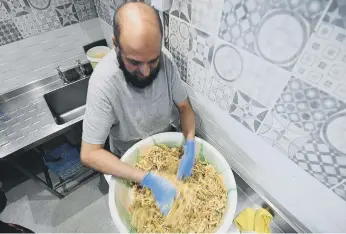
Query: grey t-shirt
[{"x": 125, "y": 113}]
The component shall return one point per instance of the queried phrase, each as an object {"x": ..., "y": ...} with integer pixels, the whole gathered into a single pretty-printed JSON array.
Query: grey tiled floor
[{"x": 84, "y": 210}]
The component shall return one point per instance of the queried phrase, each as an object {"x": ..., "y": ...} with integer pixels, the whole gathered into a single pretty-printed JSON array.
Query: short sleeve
[
  {"x": 99, "y": 117},
  {"x": 178, "y": 91}
]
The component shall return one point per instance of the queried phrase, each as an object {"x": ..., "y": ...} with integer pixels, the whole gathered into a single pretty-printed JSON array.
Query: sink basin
[{"x": 68, "y": 103}]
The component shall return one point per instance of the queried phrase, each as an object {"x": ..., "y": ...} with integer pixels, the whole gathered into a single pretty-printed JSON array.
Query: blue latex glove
[
  {"x": 164, "y": 191},
  {"x": 187, "y": 161}
]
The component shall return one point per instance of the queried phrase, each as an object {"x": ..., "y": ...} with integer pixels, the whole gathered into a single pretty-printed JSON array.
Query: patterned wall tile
[
  {"x": 201, "y": 47},
  {"x": 333, "y": 132},
  {"x": 310, "y": 9},
  {"x": 283, "y": 134},
  {"x": 85, "y": 9},
  {"x": 255, "y": 77},
  {"x": 205, "y": 15},
  {"x": 325, "y": 164},
  {"x": 336, "y": 13},
  {"x": 179, "y": 44},
  {"x": 9, "y": 32},
  {"x": 239, "y": 21},
  {"x": 247, "y": 111},
  {"x": 55, "y": 3},
  {"x": 227, "y": 62},
  {"x": 179, "y": 35},
  {"x": 103, "y": 11},
  {"x": 67, "y": 14},
  {"x": 39, "y": 4},
  {"x": 196, "y": 76},
  {"x": 256, "y": 26},
  {"x": 180, "y": 60},
  {"x": 17, "y": 7},
  {"x": 48, "y": 19},
  {"x": 273, "y": 41},
  {"x": 182, "y": 9},
  {"x": 323, "y": 61},
  {"x": 28, "y": 25},
  {"x": 219, "y": 91},
  {"x": 306, "y": 106},
  {"x": 166, "y": 29},
  {"x": 4, "y": 11},
  {"x": 341, "y": 191}
]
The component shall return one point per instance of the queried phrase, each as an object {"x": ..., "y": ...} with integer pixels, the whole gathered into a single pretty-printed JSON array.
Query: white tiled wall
[{"x": 37, "y": 57}]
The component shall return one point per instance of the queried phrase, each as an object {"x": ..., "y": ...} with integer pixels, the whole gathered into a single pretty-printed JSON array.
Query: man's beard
[{"x": 134, "y": 79}]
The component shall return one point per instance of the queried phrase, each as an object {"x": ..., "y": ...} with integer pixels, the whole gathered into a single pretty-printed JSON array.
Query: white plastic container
[
  {"x": 96, "y": 54},
  {"x": 120, "y": 193}
]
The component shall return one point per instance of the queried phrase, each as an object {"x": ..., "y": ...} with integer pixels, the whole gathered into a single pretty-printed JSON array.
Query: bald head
[
  {"x": 138, "y": 36},
  {"x": 137, "y": 25}
]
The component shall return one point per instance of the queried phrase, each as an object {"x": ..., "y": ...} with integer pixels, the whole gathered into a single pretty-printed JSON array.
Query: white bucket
[
  {"x": 96, "y": 54},
  {"x": 120, "y": 192}
]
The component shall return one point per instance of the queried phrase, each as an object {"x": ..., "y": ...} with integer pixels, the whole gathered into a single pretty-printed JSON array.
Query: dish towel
[{"x": 251, "y": 220}]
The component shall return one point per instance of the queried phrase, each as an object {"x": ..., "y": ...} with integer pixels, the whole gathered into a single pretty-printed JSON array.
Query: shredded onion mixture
[{"x": 200, "y": 201}]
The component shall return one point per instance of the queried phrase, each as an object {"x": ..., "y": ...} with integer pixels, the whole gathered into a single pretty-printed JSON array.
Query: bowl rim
[{"x": 224, "y": 227}]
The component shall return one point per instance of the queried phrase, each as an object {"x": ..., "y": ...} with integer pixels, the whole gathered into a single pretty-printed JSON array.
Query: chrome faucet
[
  {"x": 81, "y": 68},
  {"x": 61, "y": 75}
]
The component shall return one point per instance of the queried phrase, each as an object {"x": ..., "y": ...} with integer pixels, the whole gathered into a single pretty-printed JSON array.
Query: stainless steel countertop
[
  {"x": 26, "y": 121},
  {"x": 25, "y": 118}
]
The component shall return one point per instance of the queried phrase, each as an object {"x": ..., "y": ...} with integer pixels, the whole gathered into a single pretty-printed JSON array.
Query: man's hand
[
  {"x": 164, "y": 191},
  {"x": 187, "y": 161}
]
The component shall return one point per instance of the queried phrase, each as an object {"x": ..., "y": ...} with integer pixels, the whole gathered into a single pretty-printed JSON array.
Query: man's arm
[
  {"x": 96, "y": 157},
  {"x": 187, "y": 119}
]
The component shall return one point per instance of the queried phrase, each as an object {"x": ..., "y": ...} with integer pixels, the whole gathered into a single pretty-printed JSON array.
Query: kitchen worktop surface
[
  {"x": 86, "y": 209},
  {"x": 26, "y": 121},
  {"x": 25, "y": 118}
]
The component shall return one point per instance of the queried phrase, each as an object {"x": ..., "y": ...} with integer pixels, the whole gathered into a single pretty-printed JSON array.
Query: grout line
[
  {"x": 322, "y": 15},
  {"x": 337, "y": 185}
]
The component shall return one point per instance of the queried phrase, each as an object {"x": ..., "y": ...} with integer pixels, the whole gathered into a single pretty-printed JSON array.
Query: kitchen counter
[
  {"x": 25, "y": 118},
  {"x": 26, "y": 121}
]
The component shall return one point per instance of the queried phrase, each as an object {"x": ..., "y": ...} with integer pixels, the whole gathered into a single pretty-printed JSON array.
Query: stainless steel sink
[{"x": 68, "y": 103}]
